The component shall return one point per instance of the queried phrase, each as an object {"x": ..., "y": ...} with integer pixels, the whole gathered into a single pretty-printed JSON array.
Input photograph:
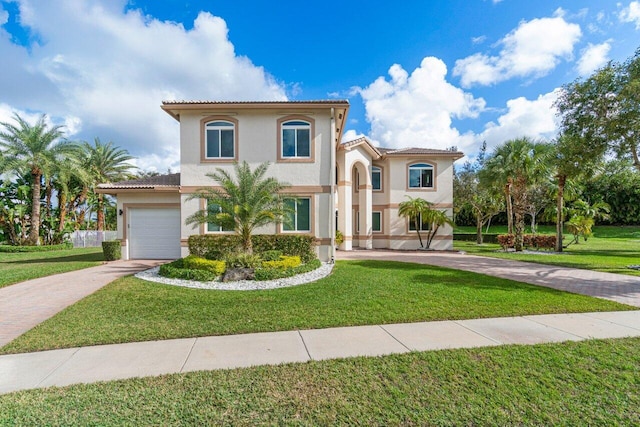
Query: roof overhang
[
  {"x": 116, "y": 189},
  {"x": 363, "y": 143}
]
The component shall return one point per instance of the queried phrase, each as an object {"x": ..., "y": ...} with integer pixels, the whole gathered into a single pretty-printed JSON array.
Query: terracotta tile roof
[
  {"x": 318, "y": 101},
  {"x": 170, "y": 180},
  {"x": 418, "y": 151}
]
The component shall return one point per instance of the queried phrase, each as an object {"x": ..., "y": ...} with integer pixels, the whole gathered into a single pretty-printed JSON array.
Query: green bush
[
  {"x": 271, "y": 255},
  {"x": 193, "y": 262},
  {"x": 111, "y": 250},
  {"x": 283, "y": 263},
  {"x": 276, "y": 273},
  {"x": 242, "y": 260},
  {"x": 176, "y": 270},
  {"x": 43, "y": 248},
  {"x": 220, "y": 247}
]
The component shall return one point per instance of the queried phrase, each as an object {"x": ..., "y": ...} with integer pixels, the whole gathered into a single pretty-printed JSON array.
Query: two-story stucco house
[{"x": 353, "y": 187}]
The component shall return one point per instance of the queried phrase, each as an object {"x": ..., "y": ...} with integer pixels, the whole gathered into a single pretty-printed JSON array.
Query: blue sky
[{"x": 417, "y": 73}]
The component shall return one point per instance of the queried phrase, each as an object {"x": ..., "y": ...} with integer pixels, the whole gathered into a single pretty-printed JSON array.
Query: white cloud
[
  {"x": 593, "y": 57},
  {"x": 531, "y": 50},
  {"x": 4, "y": 16},
  {"x": 71, "y": 124},
  {"x": 350, "y": 135},
  {"x": 417, "y": 109},
  {"x": 478, "y": 40},
  {"x": 533, "y": 118},
  {"x": 109, "y": 70},
  {"x": 631, "y": 13}
]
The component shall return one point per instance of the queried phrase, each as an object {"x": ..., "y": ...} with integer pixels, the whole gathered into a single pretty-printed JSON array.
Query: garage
[{"x": 154, "y": 233}]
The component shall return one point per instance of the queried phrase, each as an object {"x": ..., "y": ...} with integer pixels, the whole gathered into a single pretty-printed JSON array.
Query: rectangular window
[
  {"x": 219, "y": 140},
  {"x": 298, "y": 216},
  {"x": 424, "y": 226},
  {"x": 421, "y": 176},
  {"x": 296, "y": 139},
  {"x": 376, "y": 179},
  {"x": 376, "y": 220},
  {"x": 212, "y": 227}
]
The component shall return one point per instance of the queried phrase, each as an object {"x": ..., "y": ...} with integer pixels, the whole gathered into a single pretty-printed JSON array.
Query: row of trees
[
  {"x": 600, "y": 129},
  {"x": 48, "y": 182}
]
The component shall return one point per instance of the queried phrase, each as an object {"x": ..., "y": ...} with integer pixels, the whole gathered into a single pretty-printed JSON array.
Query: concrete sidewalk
[
  {"x": 26, "y": 304},
  {"x": 119, "y": 361},
  {"x": 615, "y": 287}
]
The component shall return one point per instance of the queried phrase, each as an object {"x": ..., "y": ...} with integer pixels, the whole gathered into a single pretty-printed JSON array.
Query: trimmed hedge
[
  {"x": 176, "y": 270},
  {"x": 193, "y": 262},
  {"x": 220, "y": 247},
  {"x": 471, "y": 237},
  {"x": 43, "y": 248},
  {"x": 283, "y": 263},
  {"x": 276, "y": 273},
  {"x": 535, "y": 241},
  {"x": 111, "y": 250}
]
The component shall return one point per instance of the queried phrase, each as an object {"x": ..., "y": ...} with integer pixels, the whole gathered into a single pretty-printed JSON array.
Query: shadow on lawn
[{"x": 91, "y": 257}]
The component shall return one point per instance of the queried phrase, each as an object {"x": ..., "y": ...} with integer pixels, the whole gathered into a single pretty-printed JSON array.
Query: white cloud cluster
[
  {"x": 531, "y": 50},
  {"x": 533, "y": 118},
  {"x": 417, "y": 109},
  {"x": 631, "y": 13},
  {"x": 106, "y": 71},
  {"x": 593, "y": 57}
]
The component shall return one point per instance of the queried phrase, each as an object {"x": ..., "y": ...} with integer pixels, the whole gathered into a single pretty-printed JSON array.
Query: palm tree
[
  {"x": 105, "y": 163},
  {"x": 413, "y": 210},
  {"x": 436, "y": 219},
  {"x": 245, "y": 202},
  {"x": 34, "y": 150}
]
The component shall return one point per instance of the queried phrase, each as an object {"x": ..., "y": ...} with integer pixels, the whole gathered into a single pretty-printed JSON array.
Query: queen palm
[
  {"x": 105, "y": 163},
  {"x": 245, "y": 203},
  {"x": 413, "y": 209},
  {"x": 33, "y": 149}
]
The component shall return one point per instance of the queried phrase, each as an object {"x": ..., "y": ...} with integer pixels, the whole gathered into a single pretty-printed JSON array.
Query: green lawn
[
  {"x": 586, "y": 383},
  {"x": 21, "y": 266},
  {"x": 611, "y": 249},
  {"x": 357, "y": 293}
]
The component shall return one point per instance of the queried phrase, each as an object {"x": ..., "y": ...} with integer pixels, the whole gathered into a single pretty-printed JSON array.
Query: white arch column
[
  {"x": 345, "y": 224},
  {"x": 365, "y": 202}
]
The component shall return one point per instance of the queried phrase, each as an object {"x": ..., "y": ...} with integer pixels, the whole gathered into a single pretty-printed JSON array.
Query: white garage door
[{"x": 154, "y": 233}]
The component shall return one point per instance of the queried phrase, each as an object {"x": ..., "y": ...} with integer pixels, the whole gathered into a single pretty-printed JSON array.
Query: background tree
[
  {"x": 33, "y": 149},
  {"x": 105, "y": 163},
  {"x": 246, "y": 201}
]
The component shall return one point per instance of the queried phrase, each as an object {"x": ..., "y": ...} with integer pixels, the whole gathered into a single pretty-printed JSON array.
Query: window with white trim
[
  {"x": 219, "y": 140},
  {"x": 424, "y": 225},
  {"x": 212, "y": 227},
  {"x": 376, "y": 178},
  {"x": 421, "y": 175},
  {"x": 298, "y": 214},
  {"x": 376, "y": 221},
  {"x": 296, "y": 139}
]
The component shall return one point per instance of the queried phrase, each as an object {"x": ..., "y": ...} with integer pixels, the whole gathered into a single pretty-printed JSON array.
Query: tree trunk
[
  {"x": 507, "y": 196},
  {"x": 418, "y": 231},
  {"x": 636, "y": 160},
  {"x": 62, "y": 206},
  {"x": 479, "y": 228},
  {"x": 562, "y": 179},
  {"x": 34, "y": 232},
  {"x": 519, "y": 230},
  {"x": 100, "y": 220}
]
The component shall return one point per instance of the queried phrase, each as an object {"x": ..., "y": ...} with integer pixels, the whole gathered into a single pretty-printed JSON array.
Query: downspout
[{"x": 332, "y": 196}]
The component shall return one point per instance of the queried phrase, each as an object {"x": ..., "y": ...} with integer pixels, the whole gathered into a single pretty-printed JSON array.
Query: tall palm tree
[
  {"x": 497, "y": 173},
  {"x": 245, "y": 202},
  {"x": 33, "y": 149},
  {"x": 105, "y": 163}
]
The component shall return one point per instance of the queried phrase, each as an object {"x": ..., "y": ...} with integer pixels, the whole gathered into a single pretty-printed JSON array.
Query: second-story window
[
  {"x": 376, "y": 178},
  {"x": 219, "y": 140},
  {"x": 421, "y": 175},
  {"x": 296, "y": 139}
]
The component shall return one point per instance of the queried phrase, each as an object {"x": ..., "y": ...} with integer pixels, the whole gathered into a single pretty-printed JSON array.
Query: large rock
[{"x": 235, "y": 274}]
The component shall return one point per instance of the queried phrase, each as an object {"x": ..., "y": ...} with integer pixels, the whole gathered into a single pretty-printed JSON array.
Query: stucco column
[
  {"x": 344, "y": 214},
  {"x": 365, "y": 201}
]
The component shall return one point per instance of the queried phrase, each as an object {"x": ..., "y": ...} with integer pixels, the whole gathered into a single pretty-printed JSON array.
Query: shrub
[
  {"x": 193, "y": 262},
  {"x": 536, "y": 241},
  {"x": 243, "y": 260},
  {"x": 111, "y": 250},
  {"x": 220, "y": 247},
  {"x": 271, "y": 255},
  {"x": 471, "y": 237},
  {"x": 43, "y": 248},
  {"x": 283, "y": 263},
  {"x": 506, "y": 241},
  {"x": 176, "y": 270},
  {"x": 274, "y": 273}
]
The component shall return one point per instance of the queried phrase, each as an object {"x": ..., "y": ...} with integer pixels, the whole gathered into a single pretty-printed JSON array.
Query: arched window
[
  {"x": 376, "y": 178},
  {"x": 219, "y": 139},
  {"x": 296, "y": 139},
  {"x": 421, "y": 175}
]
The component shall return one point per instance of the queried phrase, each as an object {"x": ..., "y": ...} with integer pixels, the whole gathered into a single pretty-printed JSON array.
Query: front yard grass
[
  {"x": 575, "y": 383},
  {"x": 611, "y": 249},
  {"x": 356, "y": 293},
  {"x": 21, "y": 266}
]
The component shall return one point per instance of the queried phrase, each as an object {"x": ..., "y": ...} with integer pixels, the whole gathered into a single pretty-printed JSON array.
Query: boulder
[{"x": 236, "y": 274}]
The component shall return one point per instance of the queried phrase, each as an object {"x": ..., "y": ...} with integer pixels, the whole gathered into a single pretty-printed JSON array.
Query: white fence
[{"x": 91, "y": 238}]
